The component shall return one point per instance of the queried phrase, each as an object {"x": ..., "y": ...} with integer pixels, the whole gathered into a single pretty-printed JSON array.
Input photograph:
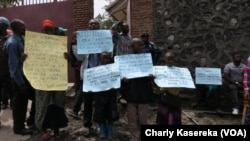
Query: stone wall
[{"x": 196, "y": 29}]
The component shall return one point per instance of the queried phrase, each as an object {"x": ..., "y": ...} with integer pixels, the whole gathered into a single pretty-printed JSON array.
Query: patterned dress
[{"x": 43, "y": 100}]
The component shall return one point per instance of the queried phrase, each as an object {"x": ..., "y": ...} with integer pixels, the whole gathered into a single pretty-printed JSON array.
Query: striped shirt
[{"x": 246, "y": 79}]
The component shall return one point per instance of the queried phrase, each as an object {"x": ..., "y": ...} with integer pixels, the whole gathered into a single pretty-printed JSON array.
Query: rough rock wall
[{"x": 196, "y": 29}]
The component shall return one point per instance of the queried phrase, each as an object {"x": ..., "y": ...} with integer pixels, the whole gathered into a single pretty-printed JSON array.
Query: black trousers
[
  {"x": 79, "y": 99},
  {"x": 88, "y": 109},
  {"x": 31, "y": 96},
  {"x": 5, "y": 90},
  {"x": 78, "y": 102},
  {"x": 20, "y": 103}
]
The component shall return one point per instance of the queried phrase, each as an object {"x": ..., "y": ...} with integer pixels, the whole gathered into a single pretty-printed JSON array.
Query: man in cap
[{"x": 4, "y": 70}]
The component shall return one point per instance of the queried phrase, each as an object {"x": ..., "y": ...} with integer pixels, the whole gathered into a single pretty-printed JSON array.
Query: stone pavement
[{"x": 6, "y": 128}]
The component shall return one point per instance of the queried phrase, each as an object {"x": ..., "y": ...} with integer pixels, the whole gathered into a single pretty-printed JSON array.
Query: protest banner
[
  {"x": 79, "y": 57},
  {"x": 94, "y": 41},
  {"x": 135, "y": 65},
  {"x": 208, "y": 76},
  {"x": 101, "y": 78},
  {"x": 171, "y": 77},
  {"x": 45, "y": 66}
]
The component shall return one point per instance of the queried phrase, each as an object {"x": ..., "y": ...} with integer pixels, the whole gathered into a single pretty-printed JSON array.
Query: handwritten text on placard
[
  {"x": 101, "y": 78},
  {"x": 135, "y": 65},
  {"x": 94, "y": 41},
  {"x": 45, "y": 66},
  {"x": 171, "y": 77},
  {"x": 208, "y": 76}
]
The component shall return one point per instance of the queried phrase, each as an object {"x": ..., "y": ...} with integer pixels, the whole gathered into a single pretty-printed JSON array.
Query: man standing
[
  {"x": 4, "y": 69},
  {"x": 148, "y": 46},
  {"x": 90, "y": 61},
  {"x": 15, "y": 49},
  {"x": 233, "y": 74},
  {"x": 124, "y": 39},
  {"x": 121, "y": 40}
]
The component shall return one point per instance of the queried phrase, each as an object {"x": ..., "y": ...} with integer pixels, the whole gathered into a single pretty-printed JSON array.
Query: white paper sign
[
  {"x": 94, "y": 41},
  {"x": 79, "y": 57},
  {"x": 208, "y": 76},
  {"x": 101, "y": 78},
  {"x": 171, "y": 77},
  {"x": 135, "y": 65}
]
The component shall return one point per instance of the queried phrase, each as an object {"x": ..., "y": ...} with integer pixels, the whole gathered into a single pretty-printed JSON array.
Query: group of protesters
[
  {"x": 15, "y": 85},
  {"x": 99, "y": 107}
]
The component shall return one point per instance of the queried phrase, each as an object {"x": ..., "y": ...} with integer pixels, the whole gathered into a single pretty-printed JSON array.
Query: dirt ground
[{"x": 190, "y": 116}]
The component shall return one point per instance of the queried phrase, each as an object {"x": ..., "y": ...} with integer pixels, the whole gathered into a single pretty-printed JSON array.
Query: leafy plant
[{"x": 8, "y": 3}]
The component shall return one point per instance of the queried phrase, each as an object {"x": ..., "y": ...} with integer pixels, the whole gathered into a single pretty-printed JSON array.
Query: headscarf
[
  {"x": 48, "y": 23},
  {"x": 4, "y": 21},
  {"x": 61, "y": 29}
]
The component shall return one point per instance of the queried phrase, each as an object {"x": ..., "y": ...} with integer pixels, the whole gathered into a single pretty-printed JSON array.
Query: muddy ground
[{"x": 190, "y": 116}]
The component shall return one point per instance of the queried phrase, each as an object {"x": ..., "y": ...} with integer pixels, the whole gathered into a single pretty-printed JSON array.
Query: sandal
[{"x": 46, "y": 137}]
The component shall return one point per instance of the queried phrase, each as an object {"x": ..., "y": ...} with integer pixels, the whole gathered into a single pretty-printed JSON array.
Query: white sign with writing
[
  {"x": 135, "y": 65},
  {"x": 79, "y": 57},
  {"x": 171, "y": 77},
  {"x": 94, "y": 41},
  {"x": 208, "y": 76},
  {"x": 101, "y": 78}
]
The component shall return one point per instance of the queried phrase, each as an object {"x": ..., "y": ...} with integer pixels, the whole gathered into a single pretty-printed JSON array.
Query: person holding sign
[
  {"x": 76, "y": 61},
  {"x": 105, "y": 105},
  {"x": 139, "y": 93},
  {"x": 90, "y": 60},
  {"x": 46, "y": 98},
  {"x": 169, "y": 106},
  {"x": 208, "y": 95}
]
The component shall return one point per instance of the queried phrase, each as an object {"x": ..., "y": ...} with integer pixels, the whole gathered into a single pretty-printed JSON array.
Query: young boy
[
  {"x": 105, "y": 105},
  {"x": 139, "y": 93}
]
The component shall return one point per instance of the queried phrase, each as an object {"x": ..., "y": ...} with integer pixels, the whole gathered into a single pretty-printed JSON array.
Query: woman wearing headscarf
[{"x": 43, "y": 121}]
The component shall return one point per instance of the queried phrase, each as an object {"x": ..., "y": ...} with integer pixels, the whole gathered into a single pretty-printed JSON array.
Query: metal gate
[{"x": 33, "y": 12}]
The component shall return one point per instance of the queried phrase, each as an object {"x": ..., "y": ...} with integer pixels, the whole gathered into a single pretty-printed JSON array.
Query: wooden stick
[
  {"x": 212, "y": 112},
  {"x": 245, "y": 107},
  {"x": 190, "y": 118}
]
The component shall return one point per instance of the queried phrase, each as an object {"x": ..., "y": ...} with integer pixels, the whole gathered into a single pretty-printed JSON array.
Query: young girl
[
  {"x": 105, "y": 105},
  {"x": 169, "y": 108}
]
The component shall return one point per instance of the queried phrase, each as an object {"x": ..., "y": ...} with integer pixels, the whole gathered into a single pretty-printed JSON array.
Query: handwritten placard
[
  {"x": 135, "y": 65},
  {"x": 173, "y": 77},
  {"x": 94, "y": 41},
  {"x": 208, "y": 76},
  {"x": 101, "y": 78},
  {"x": 79, "y": 57},
  {"x": 45, "y": 66}
]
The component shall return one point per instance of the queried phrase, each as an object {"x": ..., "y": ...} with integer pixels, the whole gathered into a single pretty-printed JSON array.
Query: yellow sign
[{"x": 45, "y": 66}]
